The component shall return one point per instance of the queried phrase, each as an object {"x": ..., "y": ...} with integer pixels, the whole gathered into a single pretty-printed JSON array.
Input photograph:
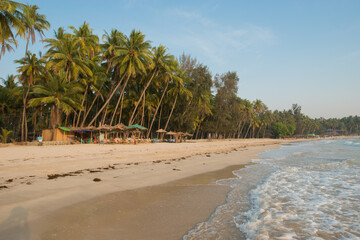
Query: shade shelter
[
  {"x": 105, "y": 128},
  {"x": 60, "y": 134},
  {"x": 137, "y": 129},
  {"x": 119, "y": 128},
  {"x": 172, "y": 134},
  {"x": 161, "y": 132}
]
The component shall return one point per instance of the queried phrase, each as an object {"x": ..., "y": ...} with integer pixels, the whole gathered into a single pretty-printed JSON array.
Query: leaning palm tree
[
  {"x": 161, "y": 62},
  {"x": 131, "y": 58},
  {"x": 30, "y": 67},
  {"x": 59, "y": 94},
  {"x": 34, "y": 22},
  {"x": 10, "y": 19}
]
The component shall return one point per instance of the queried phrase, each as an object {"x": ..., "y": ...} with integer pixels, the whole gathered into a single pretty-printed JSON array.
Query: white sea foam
[
  {"x": 309, "y": 201},
  {"x": 301, "y": 191}
]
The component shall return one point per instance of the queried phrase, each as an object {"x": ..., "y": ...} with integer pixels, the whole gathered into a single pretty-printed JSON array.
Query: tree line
[{"x": 82, "y": 81}]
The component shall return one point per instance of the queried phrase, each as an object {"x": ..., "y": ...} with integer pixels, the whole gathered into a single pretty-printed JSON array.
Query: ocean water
[{"x": 307, "y": 190}]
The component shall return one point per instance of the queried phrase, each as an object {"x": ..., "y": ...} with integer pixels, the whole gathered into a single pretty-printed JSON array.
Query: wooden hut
[{"x": 60, "y": 134}]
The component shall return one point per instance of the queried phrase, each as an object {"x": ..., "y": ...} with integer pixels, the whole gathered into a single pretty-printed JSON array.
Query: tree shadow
[{"x": 16, "y": 226}]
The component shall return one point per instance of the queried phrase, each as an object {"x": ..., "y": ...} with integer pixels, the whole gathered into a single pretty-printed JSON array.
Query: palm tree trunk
[
  {"x": 141, "y": 96},
  {"x": 121, "y": 97},
  {"x": 143, "y": 112},
  {"x": 24, "y": 131},
  {"x": 197, "y": 132},
  {"x": 247, "y": 132},
  {"x": 88, "y": 111},
  {"x": 172, "y": 109},
  {"x": 82, "y": 104},
  {"x": 157, "y": 108},
  {"x": 108, "y": 100},
  {"x": 258, "y": 133},
  {"x": 121, "y": 108}
]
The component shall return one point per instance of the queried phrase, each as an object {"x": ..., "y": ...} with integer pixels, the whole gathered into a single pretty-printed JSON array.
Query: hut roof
[
  {"x": 188, "y": 134},
  {"x": 161, "y": 131},
  {"x": 119, "y": 126},
  {"x": 65, "y": 129},
  {"x": 136, "y": 126},
  {"x": 104, "y": 127},
  {"x": 171, "y": 133}
]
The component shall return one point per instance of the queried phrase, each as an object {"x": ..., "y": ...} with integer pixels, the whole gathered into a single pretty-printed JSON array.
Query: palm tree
[
  {"x": 178, "y": 89},
  {"x": 87, "y": 41},
  {"x": 162, "y": 62},
  {"x": 29, "y": 67},
  {"x": 59, "y": 94},
  {"x": 34, "y": 22},
  {"x": 4, "y": 135},
  {"x": 63, "y": 53},
  {"x": 131, "y": 57},
  {"x": 10, "y": 18}
]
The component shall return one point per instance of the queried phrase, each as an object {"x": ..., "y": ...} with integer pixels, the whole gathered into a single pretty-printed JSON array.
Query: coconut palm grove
[{"x": 81, "y": 80}]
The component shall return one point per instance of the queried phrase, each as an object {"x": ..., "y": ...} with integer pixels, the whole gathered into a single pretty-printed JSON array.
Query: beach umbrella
[
  {"x": 136, "y": 127},
  {"x": 171, "y": 133},
  {"x": 120, "y": 126},
  {"x": 161, "y": 131}
]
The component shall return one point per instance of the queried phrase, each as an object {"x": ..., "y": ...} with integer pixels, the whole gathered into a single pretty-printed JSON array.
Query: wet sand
[
  {"x": 166, "y": 211},
  {"x": 150, "y": 191}
]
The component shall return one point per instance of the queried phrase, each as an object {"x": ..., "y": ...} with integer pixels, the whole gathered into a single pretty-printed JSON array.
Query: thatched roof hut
[
  {"x": 161, "y": 131},
  {"x": 171, "y": 133}
]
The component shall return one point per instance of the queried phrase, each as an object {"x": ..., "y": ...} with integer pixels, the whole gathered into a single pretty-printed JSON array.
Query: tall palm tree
[
  {"x": 29, "y": 67},
  {"x": 131, "y": 57},
  {"x": 34, "y": 22},
  {"x": 64, "y": 54},
  {"x": 161, "y": 62},
  {"x": 87, "y": 41},
  {"x": 59, "y": 94},
  {"x": 178, "y": 89},
  {"x": 10, "y": 19}
]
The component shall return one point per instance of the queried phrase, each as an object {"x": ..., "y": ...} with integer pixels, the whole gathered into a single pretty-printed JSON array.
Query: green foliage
[
  {"x": 280, "y": 129},
  {"x": 4, "y": 135}
]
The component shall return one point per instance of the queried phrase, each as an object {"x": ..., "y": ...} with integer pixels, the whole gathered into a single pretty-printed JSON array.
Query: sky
[{"x": 284, "y": 52}]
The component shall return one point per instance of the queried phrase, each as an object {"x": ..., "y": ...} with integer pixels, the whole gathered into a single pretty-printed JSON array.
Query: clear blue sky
[{"x": 285, "y": 52}]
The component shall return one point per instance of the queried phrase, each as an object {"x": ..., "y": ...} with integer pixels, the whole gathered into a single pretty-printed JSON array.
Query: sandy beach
[{"x": 144, "y": 191}]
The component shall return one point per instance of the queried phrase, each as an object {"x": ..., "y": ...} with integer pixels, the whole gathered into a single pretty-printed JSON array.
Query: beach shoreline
[{"x": 63, "y": 177}]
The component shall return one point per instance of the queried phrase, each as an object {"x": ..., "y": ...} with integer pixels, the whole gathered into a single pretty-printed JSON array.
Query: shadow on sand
[{"x": 15, "y": 227}]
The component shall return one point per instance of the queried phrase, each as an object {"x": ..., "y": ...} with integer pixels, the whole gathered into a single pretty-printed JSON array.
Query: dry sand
[{"x": 145, "y": 191}]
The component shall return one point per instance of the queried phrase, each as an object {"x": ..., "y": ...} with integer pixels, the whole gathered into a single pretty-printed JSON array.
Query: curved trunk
[
  {"x": 107, "y": 101},
  {"x": 131, "y": 120},
  {"x": 172, "y": 110},
  {"x": 88, "y": 111},
  {"x": 120, "y": 98},
  {"x": 247, "y": 132},
  {"x": 24, "y": 130},
  {"x": 157, "y": 109}
]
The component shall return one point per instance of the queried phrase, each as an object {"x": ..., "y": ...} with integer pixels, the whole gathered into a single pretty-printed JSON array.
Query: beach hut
[
  {"x": 171, "y": 134},
  {"x": 161, "y": 132},
  {"x": 136, "y": 130},
  {"x": 103, "y": 128},
  {"x": 60, "y": 134}
]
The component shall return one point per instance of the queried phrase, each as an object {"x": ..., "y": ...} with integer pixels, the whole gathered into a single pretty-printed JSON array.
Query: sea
[{"x": 305, "y": 190}]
